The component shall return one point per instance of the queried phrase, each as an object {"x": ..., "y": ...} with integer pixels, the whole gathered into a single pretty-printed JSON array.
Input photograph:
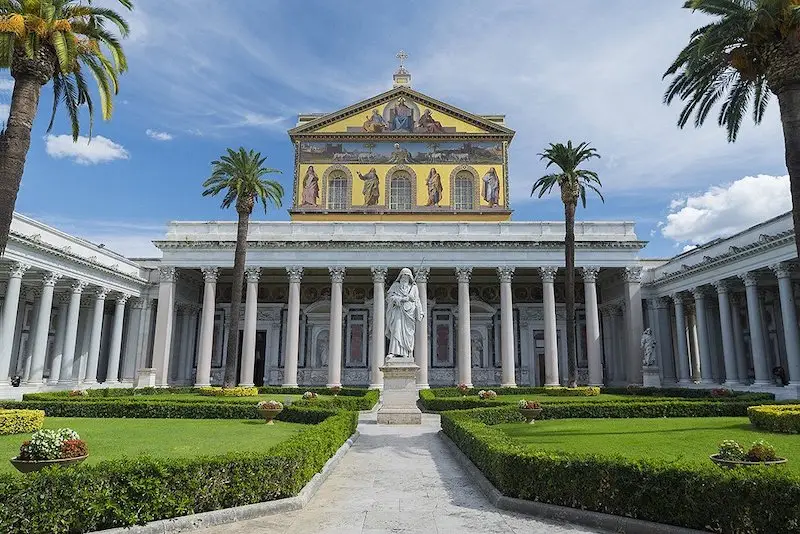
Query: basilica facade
[{"x": 398, "y": 180}]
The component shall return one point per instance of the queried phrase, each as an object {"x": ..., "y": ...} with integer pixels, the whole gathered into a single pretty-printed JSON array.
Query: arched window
[
  {"x": 400, "y": 197},
  {"x": 337, "y": 191},
  {"x": 464, "y": 191}
]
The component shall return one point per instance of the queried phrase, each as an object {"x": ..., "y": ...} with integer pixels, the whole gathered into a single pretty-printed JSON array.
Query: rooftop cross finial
[{"x": 402, "y": 56}]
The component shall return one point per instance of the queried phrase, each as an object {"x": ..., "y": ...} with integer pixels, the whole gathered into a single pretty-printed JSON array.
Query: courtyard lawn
[
  {"x": 164, "y": 438},
  {"x": 683, "y": 439}
]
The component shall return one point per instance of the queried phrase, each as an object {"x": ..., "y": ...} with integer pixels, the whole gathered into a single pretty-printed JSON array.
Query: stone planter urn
[
  {"x": 29, "y": 466},
  {"x": 269, "y": 414},
  {"x": 530, "y": 414},
  {"x": 731, "y": 464}
]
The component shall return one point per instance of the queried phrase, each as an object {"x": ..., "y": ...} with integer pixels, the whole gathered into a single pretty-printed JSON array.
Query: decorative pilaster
[
  {"x": 252, "y": 275},
  {"x": 94, "y": 340},
  {"x": 378, "y": 326},
  {"x": 594, "y": 347},
  {"x": 295, "y": 275},
  {"x": 42, "y": 329},
  {"x": 756, "y": 331},
  {"x": 463, "y": 275},
  {"x": 336, "y": 327},
  {"x": 421, "y": 333},
  {"x": 634, "y": 321},
  {"x": 702, "y": 335},
  {"x": 726, "y": 326},
  {"x": 684, "y": 372},
  {"x": 507, "y": 345},
  {"x": 206, "y": 345},
  {"x": 783, "y": 271},
  {"x": 548, "y": 275},
  {"x": 9, "y": 319}
]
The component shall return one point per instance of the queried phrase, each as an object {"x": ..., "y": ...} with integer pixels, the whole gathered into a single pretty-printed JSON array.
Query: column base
[
  {"x": 246, "y": 386},
  {"x": 763, "y": 383},
  {"x": 511, "y": 385},
  {"x": 293, "y": 385},
  {"x": 684, "y": 382},
  {"x": 376, "y": 386},
  {"x": 208, "y": 385},
  {"x": 732, "y": 385},
  {"x": 111, "y": 383},
  {"x": 90, "y": 382},
  {"x": 552, "y": 384},
  {"x": 333, "y": 385},
  {"x": 423, "y": 386},
  {"x": 708, "y": 381}
]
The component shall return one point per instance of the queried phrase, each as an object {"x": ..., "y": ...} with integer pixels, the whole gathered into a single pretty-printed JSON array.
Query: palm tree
[
  {"x": 749, "y": 52},
  {"x": 58, "y": 40},
  {"x": 573, "y": 183},
  {"x": 240, "y": 174}
]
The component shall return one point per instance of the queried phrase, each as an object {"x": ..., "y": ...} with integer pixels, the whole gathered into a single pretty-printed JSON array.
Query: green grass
[
  {"x": 684, "y": 439},
  {"x": 165, "y": 438}
]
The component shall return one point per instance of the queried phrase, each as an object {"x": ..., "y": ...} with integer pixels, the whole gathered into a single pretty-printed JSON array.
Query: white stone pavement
[{"x": 398, "y": 479}]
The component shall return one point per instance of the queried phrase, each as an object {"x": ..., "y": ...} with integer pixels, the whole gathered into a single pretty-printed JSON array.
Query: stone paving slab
[{"x": 398, "y": 479}]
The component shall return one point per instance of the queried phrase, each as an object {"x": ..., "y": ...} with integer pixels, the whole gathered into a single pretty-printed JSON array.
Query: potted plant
[
  {"x": 50, "y": 447},
  {"x": 335, "y": 390},
  {"x": 463, "y": 389},
  {"x": 487, "y": 395},
  {"x": 309, "y": 395},
  {"x": 530, "y": 410},
  {"x": 78, "y": 393},
  {"x": 269, "y": 410},
  {"x": 731, "y": 454}
]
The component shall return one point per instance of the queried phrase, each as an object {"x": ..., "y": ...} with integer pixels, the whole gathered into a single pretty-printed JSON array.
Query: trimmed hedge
[
  {"x": 686, "y": 393},
  {"x": 155, "y": 393},
  {"x": 352, "y": 403},
  {"x": 20, "y": 421},
  {"x": 760, "y": 500},
  {"x": 555, "y": 391},
  {"x": 228, "y": 392},
  {"x": 783, "y": 418},
  {"x": 135, "y": 491}
]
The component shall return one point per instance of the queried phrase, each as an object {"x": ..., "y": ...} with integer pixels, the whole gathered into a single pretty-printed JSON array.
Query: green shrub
[
  {"x": 761, "y": 451},
  {"x": 135, "y": 491},
  {"x": 699, "y": 497},
  {"x": 731, "y": 450},
  {"x": 229, "y": 392},
  {"x": 352, "y": 403},
  {"x": 783, "y": 418},
  {"x": 686, "y": 393},
  {"x": 20, "y": 421}
]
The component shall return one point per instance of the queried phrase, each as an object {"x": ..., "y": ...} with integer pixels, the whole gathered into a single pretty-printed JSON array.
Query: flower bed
[
  {"x": 229, "y": 392},
  {"x": 784, "y": 418},
  {"x": 699, "y": 497},
  {"x": 20, "y": 421},
  {"x": 135, "y": 491}
]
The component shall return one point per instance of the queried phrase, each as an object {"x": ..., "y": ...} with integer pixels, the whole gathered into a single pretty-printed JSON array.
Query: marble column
[
  {"x": 463, "y": 274},
  {"x": 292, "y": 328},
  {"x": 130, "y": 353},
  {"x": 635, "y": 322},
  {"x": 25, "y": 358},
  {"x": 9, "y": 319},
  {"x": 548, "y": 275},
  {"x": 421, "y": 334},
  {"x": 42, "y": 329},
  {"x": 702, "y": 335},
  {"x": 594, "y": 348},
  {"x": 605, "y": 322},
  {"x": 84, "y": 333},
  {"x": 58, "y": 345},
  {"x": 742, "y": 360},
  {"x": 378, "y": 326},
  {"x": 96, "y": 336},
  {"x": 619, "y": 342},
  {"x": 726, "y": 325},
  {"x": 184, "y": 349},
  {"x": 205, "y": 348},
  {"x": 683, "y": 369},
  {"x": 791, "y": 333},
  {"x": 252, "y": 275},
  {"x": 507, "y": 345},
  {"x": 668, "y": 370},
  {"x": 162, "y": 339},
  {"x": 336, "y": 327},
  {"x": 756, "y": 331},
  {"x": 115, "y": 350}
]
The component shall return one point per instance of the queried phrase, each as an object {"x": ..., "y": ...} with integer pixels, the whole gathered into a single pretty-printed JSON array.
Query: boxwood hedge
[
  {"x": 135, "y": 491},
  {"x": 761, "y": 500},
  {"x": 20, "y": 421},
  {"x": 781, "y": 418}
]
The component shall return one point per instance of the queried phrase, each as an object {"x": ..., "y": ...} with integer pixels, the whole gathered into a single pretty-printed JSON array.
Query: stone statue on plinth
[
  {"x": 403, "y": 310},
  {"x": 651, "y": 374}
]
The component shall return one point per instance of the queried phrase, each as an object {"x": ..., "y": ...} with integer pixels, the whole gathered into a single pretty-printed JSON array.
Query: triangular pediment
[{"x": 401, "y": 111}]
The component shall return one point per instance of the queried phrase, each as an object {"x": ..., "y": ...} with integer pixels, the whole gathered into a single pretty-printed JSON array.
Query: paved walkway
[{"x": 398, "y": 479}]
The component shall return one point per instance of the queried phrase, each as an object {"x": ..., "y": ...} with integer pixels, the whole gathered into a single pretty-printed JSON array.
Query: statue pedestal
[
  {"x": 146, "y": 378},
  {"x": 651, "y": 377},
  {"x": 400, "y": 393}
]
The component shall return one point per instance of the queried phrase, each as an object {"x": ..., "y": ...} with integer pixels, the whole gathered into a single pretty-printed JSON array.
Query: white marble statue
[
  {"x": 403, "y": 310},
  {"x": 649, "y": 348}
]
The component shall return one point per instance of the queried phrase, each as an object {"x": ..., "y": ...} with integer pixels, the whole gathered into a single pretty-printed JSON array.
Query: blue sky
[{"x": 208, "y": 75}]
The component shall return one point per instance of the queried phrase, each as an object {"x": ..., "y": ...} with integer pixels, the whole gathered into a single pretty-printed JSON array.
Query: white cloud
[
  {"x": 85, "y": 151},
  {"x": 158, "y": 136},
  {"x": 724, "y": 210},
  {"x": 6, "y": 85}
]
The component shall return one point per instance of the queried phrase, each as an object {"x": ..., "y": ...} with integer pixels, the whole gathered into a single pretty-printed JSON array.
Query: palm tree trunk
[
  {"x": 789, "y": 102},
  {"x": 14, "y": 144},
  {"x": 239, "y": 257},
  {"x": 569, "y": 293}
]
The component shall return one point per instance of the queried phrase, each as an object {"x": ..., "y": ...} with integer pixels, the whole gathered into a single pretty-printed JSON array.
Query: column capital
[
  {"x": 78, "y": 286},
  {"x": 167, "y": 274},
  {"x": 49, "y": 279},
  {"x": 463, "y": 274},
  {"x": 653, "y": 303},
  {"x": 749, "y": 278},
  {"x": 122, "y": 299},
  {"x": 17, "y": 269},
  {"x": 337, "y": 274},
  {"x": 63, "y": 298},
  {"x": 633, "y": 274},
  {"x": 210, "y": 274},
  {"x": 590, "y": 274},
  {"x": 676, "y": 298},
  {"x": 699, "y": 293},
  {"x": 783, "y": 269},
  {"x": 548, "y": 273},
  {"x": 421, "y": 275},
  {"x": 252, "y": 274},
  {"x": 378, "y": 274},
  {"x": 505, "y": 274},
  {"x": 722, "y": 286},
  {"x": 101, "y": 293},
  {"x": 295, "y": 273},
  {"x": 662, "y": 303}
]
